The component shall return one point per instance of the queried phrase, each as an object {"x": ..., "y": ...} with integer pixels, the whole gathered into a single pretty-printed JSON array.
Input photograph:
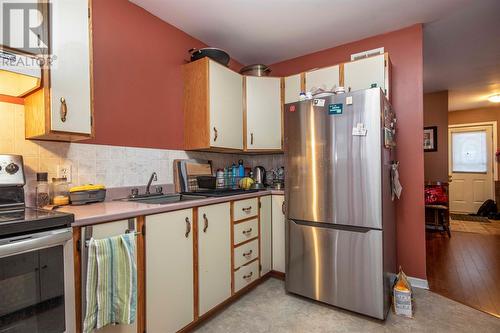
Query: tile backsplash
[{"x": 112, "y": 166}]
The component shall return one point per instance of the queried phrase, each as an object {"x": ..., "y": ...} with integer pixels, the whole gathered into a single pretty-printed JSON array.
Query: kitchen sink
[{"x": 164, "y": 199}]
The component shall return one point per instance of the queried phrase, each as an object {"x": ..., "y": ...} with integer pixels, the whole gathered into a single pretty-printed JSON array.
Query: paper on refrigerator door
[{"x": 396, "y": 185}]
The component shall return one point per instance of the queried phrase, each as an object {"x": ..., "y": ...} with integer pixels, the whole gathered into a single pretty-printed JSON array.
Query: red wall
[
  {"x": 405, "y": 50},
  {"x": 137, "y": 77}
]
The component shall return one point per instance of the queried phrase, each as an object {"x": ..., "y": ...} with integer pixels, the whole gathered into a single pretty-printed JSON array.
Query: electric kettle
[{"x": 259, "y": 174}]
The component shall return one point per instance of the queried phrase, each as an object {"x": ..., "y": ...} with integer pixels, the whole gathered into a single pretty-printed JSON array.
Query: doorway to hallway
[{"x": 472, "y": 166}]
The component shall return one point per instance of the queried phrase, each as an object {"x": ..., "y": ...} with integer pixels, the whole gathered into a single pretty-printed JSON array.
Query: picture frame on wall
[{"x": 430, "y": 139}]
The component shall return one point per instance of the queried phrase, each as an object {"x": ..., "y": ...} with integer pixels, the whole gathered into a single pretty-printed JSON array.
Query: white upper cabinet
[
  {"x": 263, "y": 113},
  {"x": 70, "y": 72},
  {"x": 367, "y": 72},
  {"x": 292, "y": 88},
  {"x": 169, "y": 271},
  {"x": 327, "y": 78},
  {"x": 226, "y": 107},
  {"x": 214, "y": 255}
]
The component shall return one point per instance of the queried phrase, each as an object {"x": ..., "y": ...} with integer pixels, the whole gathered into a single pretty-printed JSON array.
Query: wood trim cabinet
[
  {"x": 169, "y": 271},
  {"x": 213, "y": 107},
  {"x": 62, "y": 109},
  {"x": 190, "y": 264},
  {"x": 265, "y": 234},
  {"x": 214, "y": 256},
  {"x": 327, "y": 78},
  {"x": 278, "y": 233},
  {"x": 101, "y": 231},
  {"x": 368, "y": 72},
  {"x": 353, "y": 75},
  {"x": 263, "y": 114}
]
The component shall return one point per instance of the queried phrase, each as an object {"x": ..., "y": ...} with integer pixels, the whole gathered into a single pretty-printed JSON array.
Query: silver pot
[{"x": 256, "y": 70}]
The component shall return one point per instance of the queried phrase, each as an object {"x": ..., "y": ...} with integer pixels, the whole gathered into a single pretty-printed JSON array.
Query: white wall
[{"x": 109, "y": 165}]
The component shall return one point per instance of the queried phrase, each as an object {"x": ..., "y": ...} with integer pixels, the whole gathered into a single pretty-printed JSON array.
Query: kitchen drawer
[
  {"x": 245, "y": 253},
  {"x": 246, "y": 275},
  {"x": 245, "y": 231},
  {"x": 244, "y": 209}
]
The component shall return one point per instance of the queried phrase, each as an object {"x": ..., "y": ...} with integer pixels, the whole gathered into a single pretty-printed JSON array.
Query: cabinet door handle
[
  {"x": 245, "y": 232},
  {"x": 247, "y": 209},
  {"x": 216, "y": 134},
  {"x": 247, "y": 254},
  {"x": 283, "y": 208},
  {"x": 63, "y": 110},
  {"x": 188, "y": 227},
  {"x": 251, "y": 138},
  {"x": 248, "y": 276},
  {"x": 205, "y": 218}
]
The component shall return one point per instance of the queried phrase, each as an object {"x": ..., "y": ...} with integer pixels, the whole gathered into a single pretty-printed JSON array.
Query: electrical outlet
[{"x": 64, "y": 171}]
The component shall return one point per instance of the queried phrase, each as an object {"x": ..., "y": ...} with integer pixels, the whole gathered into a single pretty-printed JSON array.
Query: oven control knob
[{"x": 12, "y": 168}]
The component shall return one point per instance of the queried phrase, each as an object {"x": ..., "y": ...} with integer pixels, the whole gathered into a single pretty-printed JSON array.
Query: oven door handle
[{"x": 33, "y": 242}]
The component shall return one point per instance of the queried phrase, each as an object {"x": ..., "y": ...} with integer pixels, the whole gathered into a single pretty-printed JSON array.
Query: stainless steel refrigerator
[{"x": 340, "y": 220}]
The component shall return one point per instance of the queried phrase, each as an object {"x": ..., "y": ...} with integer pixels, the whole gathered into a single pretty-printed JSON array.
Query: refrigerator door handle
[{"x": 343, "y": 227}]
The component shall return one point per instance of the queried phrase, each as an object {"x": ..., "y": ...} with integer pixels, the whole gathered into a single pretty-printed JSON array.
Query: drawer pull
[
  {"x": 205, "y": 218},
  {"x": 246, "y": 232},
  {"x": 188, "y": 227},
  {"x": 248, "y": 276},
  {"x": 247, "y": 209},
  {"x": 247, "y": 254},
  {"x": 63, "y": 110}
]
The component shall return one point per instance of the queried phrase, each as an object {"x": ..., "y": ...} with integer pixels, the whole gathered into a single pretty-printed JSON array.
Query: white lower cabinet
[
  {"x": 100, "y": 231},
  {"x": 246, "y": 275},
  {"x": 214, "y": 255},
  {"x": 265, "y": 234},
  {"x": 169, "y": 271},
  {"x": 278, "y": 234}
]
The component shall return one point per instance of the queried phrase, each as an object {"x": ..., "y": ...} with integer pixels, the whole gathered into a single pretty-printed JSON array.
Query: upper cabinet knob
[{"x": 12, "y": 168}]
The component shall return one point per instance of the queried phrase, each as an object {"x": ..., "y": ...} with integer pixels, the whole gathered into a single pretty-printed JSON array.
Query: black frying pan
[{"x": 213, "y": 53}]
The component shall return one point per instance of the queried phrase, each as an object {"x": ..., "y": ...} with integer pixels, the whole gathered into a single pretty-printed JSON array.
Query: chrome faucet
[{"x": 154, "y": 177}]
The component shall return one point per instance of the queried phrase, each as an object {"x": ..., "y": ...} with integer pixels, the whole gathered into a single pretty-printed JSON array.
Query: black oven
[{"x": 32, "y": 288}]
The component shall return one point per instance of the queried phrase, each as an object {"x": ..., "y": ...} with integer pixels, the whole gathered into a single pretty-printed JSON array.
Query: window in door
[{"x": 469, "y": 152}]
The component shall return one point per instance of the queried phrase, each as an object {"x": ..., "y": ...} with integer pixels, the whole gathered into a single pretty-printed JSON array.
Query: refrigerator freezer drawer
[{"x": 339, "y": 267}]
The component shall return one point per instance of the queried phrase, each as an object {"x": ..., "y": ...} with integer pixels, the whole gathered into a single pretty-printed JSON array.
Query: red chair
[{"x": 437, "y": 207}]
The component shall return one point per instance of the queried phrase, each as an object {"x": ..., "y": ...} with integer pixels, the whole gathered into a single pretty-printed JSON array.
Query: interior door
[
  {"x": 471, "y": 160},
  {"x": 263, "y": 112}
]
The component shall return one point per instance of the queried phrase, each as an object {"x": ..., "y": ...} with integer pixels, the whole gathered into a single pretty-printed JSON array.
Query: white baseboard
[{"x": 418, "y": 283}]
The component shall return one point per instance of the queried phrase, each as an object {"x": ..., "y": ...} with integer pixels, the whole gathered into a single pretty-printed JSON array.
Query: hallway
[{"x": 465, "y": 268}]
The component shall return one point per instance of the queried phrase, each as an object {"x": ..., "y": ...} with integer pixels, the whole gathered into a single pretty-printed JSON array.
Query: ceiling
[
  {"x": 462, "y": 55},
  {"x": 461, "y": 37},
  {"x": 268, "y": 31}
]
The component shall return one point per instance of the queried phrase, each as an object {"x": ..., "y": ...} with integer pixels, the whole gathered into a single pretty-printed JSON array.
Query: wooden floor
[{"x": 465, "y": 268}]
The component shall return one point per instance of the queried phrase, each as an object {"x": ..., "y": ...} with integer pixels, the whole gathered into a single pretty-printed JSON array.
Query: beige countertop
[{"x": 119, "y": 210}]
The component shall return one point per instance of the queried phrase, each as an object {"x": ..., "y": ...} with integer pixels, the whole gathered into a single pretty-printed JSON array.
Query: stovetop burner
[
  {"x": 15, "y": 218},
  {"x": 30, "y": 220}
]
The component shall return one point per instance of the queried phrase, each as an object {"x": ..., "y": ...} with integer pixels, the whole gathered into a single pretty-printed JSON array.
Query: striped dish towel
[{"x": 111, "y": 282}]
